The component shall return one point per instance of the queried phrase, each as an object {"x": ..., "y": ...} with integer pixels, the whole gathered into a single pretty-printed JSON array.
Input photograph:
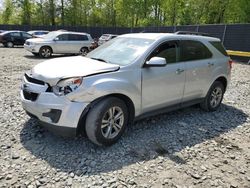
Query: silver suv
[
  {"x": 125, "y": 79},
  {"x": 59, "y": 42}
]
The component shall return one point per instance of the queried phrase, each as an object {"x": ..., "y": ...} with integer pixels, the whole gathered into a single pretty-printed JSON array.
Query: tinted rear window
[
  {"x": 75, "y": 37},
  {"x": 194, "y": 50},
  {"x": 219, "y": 47}
]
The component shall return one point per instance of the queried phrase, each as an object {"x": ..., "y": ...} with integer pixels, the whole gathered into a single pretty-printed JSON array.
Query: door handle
[
  {"x": 179, "y": 71},
  {"x": 210, "y": 64}
]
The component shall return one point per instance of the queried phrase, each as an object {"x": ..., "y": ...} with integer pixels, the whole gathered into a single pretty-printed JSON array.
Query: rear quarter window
[
  {"x": 194, "y": 50},
  {"x": 219, "y": 47},
  {"x": 76, "y": 37},
  {"x": 83, "y": 37}
]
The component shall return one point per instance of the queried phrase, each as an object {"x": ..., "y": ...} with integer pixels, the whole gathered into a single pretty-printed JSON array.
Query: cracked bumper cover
[{"x": 57, "y": 114}]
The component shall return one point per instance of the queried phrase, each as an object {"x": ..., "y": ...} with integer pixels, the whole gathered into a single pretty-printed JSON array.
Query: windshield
[{"x": 121, "y": 50}]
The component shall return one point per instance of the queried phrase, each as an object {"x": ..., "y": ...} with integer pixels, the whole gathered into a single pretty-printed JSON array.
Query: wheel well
[
  {"x": 128, "y": 102},
  {"x": 223, "y": 80},
  {"x": 47, "y": 47}
]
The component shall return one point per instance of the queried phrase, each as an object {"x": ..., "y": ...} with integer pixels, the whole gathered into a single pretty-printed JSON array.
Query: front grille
[
  {"x": 33, "y": 80},
  {"x": 30, "y": 95}
]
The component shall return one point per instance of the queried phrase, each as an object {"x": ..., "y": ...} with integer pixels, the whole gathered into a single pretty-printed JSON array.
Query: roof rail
[{"x": 191, "y": 33}]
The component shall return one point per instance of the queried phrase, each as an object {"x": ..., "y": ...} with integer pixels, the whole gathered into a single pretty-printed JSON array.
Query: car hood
[{"x": 51, "y": 71}]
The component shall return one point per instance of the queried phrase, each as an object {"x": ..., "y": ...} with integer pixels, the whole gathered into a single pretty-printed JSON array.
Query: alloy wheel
[
  {"x": 216, "y": 97},
  {"x": 112, "y": 122},
  {"x": 46, "y": 52}
]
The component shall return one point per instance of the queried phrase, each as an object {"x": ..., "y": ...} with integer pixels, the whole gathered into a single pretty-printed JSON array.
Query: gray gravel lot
[{"x": 184, "y": 148}]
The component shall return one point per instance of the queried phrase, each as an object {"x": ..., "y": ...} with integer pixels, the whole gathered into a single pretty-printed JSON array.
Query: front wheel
[
  {"x": 106, "y": 121},
  {"x": 45, "y": 52},
  {"x": 214, "y": 97}
]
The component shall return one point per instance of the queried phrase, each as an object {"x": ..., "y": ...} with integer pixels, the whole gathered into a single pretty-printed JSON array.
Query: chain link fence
[{"x": 233, "y": 36}]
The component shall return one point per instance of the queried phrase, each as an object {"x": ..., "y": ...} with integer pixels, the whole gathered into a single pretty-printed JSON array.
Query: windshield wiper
[{"x": 99, "y": 59}]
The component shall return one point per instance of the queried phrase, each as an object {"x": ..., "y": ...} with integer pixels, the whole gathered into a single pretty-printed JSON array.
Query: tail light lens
[{"x": 230, "y": 62}]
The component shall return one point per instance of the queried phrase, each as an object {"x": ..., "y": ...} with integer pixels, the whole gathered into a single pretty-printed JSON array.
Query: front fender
[{"x": 118, "y": 82}]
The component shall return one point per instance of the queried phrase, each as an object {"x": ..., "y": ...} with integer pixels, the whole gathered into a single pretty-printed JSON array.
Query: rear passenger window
[
  {"x": 167, "y": 50},
  {"x": 194, "y": 50},
  {"x": 219, "y": 47},
  {"x": 15, "y": 34}
]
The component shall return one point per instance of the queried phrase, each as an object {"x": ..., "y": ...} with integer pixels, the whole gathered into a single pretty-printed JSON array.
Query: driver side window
[{"x": 167, "y": 50}]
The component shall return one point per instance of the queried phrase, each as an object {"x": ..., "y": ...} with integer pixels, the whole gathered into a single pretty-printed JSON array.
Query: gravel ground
[{"x": 185, "y": 148}]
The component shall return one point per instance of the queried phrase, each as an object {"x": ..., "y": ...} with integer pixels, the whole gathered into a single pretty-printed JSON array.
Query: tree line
[{"x": 124, "y": 13}]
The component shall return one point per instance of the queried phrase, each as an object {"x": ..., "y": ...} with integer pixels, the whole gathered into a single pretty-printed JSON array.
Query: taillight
[{"x": 230, "y": 62}]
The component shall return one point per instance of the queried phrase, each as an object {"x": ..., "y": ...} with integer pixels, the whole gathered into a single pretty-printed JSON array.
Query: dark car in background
[{"x": 14, "y": 38}]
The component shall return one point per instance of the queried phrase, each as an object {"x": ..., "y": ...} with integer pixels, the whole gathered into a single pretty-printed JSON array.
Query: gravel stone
[
  {"x": 184, "y": 148},
  {"x": 8, "y": 177}
]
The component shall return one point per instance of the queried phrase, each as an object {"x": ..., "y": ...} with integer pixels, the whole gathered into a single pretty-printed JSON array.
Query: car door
[
  {"x": 163, "y": 86},
  {"x": 199, "y": 65},
  {"x": 61, "y": 44},
  {"x": 16, "y": 38},
  {"x": 75, "y": 43},
  {"x": 25, "y": 36},
  {"x": 85, "y": 41}
]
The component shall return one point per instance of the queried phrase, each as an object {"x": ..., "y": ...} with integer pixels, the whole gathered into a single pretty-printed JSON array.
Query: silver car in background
[
  {"x": 105, "y": 38},
  {"x": 59, "y": 42},
  {"x": 125, "y": 79},
  {"x": 38, "y": 33}
]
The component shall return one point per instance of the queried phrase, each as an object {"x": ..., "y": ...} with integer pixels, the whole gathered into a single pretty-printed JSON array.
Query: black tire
[
  {"x": 210, "y": 103},
  {"x": 97, "y": 125},
  {"x": 45, "y": 52},
  {"x": 35, "y": 54},
  {"x": 84, "y": 51},
  {"x": 10, "y": 44}
]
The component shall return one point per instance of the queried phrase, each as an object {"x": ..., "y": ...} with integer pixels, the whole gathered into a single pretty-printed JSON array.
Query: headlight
[{"x": 66, "y": 86}]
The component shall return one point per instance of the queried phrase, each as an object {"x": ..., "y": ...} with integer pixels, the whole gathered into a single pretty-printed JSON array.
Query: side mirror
[
  {"x": 156, "y": 62},
  {"x": 56, "y": 39}
]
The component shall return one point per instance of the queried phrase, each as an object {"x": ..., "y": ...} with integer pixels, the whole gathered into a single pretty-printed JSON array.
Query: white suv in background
[{"x": 59, "y": 42}]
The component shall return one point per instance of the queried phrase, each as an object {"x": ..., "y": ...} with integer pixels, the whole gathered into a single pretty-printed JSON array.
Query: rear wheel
[
  {"x": 84, "y": 51},
  {"x": 214, "y": 97},
  {"x": 10, "y": 44},
  {"x": 106, "y": 121},
  {"x": 45, "y": 52}
]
